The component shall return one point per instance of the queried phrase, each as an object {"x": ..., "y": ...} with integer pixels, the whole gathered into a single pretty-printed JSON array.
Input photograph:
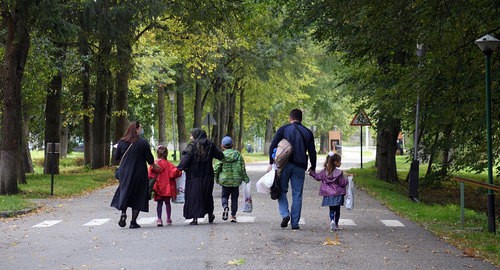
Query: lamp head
[
  {"x": 171, "y": 96},
  {"x": 488, "y": 43},
  {"x": 421, "y": 50}
]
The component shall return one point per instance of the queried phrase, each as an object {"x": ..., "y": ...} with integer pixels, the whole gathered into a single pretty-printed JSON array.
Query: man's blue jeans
[{"x": 295, "y": 175}]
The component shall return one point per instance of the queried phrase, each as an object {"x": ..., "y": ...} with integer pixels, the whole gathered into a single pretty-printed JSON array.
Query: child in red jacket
[{"x": 164, "y": 187}]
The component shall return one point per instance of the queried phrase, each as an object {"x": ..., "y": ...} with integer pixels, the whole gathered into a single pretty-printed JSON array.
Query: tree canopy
[{"x": 248, "y": 63}]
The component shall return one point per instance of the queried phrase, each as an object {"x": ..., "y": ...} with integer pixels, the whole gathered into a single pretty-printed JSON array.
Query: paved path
[{"x": 82, "y": 233}]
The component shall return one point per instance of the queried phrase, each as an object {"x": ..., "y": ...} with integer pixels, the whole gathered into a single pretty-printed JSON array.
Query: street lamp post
[
  {"x": 171, "y": 96},
  {"x": 414, "y": 168},
  {"x": 488, "y": 44}
]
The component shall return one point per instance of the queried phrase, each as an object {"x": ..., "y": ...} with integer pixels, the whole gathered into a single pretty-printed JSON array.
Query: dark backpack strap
[{"x": 301, "y": 135}]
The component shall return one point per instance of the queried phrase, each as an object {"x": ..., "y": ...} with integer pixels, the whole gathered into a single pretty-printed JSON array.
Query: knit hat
[{"x": 227, "y": 141}]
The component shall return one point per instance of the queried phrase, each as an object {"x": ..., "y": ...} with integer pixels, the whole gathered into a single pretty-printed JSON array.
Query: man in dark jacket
[{"x": 302, "y": 141}]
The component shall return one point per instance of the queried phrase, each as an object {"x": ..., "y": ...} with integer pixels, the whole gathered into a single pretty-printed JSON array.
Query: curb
[{"x": 7, "y": 214}]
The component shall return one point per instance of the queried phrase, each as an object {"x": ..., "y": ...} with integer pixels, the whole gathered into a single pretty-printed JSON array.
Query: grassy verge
[{"x": 443, "y": 220}]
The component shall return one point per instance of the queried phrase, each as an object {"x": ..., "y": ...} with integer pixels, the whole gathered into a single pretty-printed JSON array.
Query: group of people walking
[
  {"x": 229, "y": 171},
  {"x": 134, "y": 154}
]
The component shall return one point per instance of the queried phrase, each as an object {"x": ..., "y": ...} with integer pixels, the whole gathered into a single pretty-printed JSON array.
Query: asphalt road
[{"x": 82, "y": 233}]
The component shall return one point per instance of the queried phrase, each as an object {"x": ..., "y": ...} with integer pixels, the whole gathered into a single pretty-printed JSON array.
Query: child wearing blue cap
[{"x": 230, "y": 172}]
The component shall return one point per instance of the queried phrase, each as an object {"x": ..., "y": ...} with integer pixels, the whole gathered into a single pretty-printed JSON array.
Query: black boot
[
  {"x": 122, "y": 223},
  {"x": 133, "y": 222}
]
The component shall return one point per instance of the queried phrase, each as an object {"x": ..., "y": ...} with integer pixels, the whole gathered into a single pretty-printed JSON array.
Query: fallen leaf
[
  {"x": 330, "y": 242},
  {"x": 236, "y": 262}
]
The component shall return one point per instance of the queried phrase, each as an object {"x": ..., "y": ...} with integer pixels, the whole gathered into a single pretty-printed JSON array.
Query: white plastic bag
[
  {"x": 247, "y": 204},
  {"x": 349, "y": 196},
  {"x": 265, "y": 182},
  {"x": 180, "y": 183}
]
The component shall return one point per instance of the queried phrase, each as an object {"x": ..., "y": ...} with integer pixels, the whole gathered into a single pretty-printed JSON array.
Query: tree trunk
[
  {"x": 109, "y": 112},
  {"x": 219, "y": 110},
  {"x": 27, "y": 161},
  {"x": 386, "y": 149},
  {"x": 124, "y": 54},
  {"x": 231, "y": 111},
  {"x": 242, "y": 122},
  {"x": 122, "y": 78},
  {"x": 182, "y": 135},
  {"x": 103, "y": 82},
  {"x": 99, "y": 125},
  {"x": 64, "y": 138},
  {"x": 53, "y": 124},
  {"x": 198, "y": 105},
  {"x": 162, "y": 140},
  {"x": 269, "y": 135},
  {"x": 431, "y": 156},
  {"x": 448, "y": 137},
  {"x": 324, "y": 143},
  {"x": 85, "y": 79},
  {"x": 16, "y": 46}
]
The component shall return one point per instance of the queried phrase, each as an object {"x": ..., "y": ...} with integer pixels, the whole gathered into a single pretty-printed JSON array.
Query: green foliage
[{"x": 377, "y": 41}]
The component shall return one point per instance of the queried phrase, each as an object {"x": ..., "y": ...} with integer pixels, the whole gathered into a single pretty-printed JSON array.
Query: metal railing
[{"x": 462, "y": 181}]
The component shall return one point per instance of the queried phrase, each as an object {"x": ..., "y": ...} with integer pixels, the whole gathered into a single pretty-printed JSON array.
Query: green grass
[
  {"x": 66, "y": 184},
  {"x": 443, "y": 220},
  {"x": 13, "y": 203},
  {"x": 255, "y": 157}
]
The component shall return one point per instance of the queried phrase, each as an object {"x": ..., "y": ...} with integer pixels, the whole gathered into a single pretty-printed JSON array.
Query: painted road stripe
[
  {"x": 46, "y": 223},
  {"x": 96, "y": 222},
  {"x": 392, "y": 223},
  {"x": 245, "y": 219},
  {"x": 147, "y": 220},
  {"x": 347, "y": 222}
]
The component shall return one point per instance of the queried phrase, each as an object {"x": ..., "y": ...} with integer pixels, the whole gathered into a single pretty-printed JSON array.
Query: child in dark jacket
[
  {"x": 332, "y": 188},
  {"x": 230, "y": 173}
]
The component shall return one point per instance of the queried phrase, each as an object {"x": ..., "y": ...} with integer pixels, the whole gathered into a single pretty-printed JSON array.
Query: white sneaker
[{"x": 333, "y": 226}]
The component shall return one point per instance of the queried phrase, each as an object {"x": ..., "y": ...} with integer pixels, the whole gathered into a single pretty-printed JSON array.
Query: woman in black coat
[
  {"x": 132, "y": 191},
  {"x": 196, "y": 161}
]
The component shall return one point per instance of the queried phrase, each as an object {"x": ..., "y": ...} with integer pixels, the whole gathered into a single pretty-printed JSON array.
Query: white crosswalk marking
[
  {"x": 200, "y": 220},
  {"x": 96, "y": 222},
  {"x": 245, "y": 219},
  {"x": 241, "y": 219},
  {"x": 146, "y": 220},
  {"x": 347, "y": 222},
  {"x": 302, "y": 221},
  {"x": 46, "y": 223},
  {"x": 392, "y": 223}
]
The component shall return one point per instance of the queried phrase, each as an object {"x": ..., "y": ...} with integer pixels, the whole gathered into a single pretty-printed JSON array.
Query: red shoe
[
  {"x": 159, "y": 223},
  {"x": 169, "y": 221}
]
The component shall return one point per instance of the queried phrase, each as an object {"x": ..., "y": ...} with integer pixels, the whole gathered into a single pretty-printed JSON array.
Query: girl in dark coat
[
  {"x": 196, "y": 161},
  {"x": 133, "y": 185}
]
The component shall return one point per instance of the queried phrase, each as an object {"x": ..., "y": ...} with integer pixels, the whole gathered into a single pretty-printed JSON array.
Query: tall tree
[{"x": 16, "y": 19}]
